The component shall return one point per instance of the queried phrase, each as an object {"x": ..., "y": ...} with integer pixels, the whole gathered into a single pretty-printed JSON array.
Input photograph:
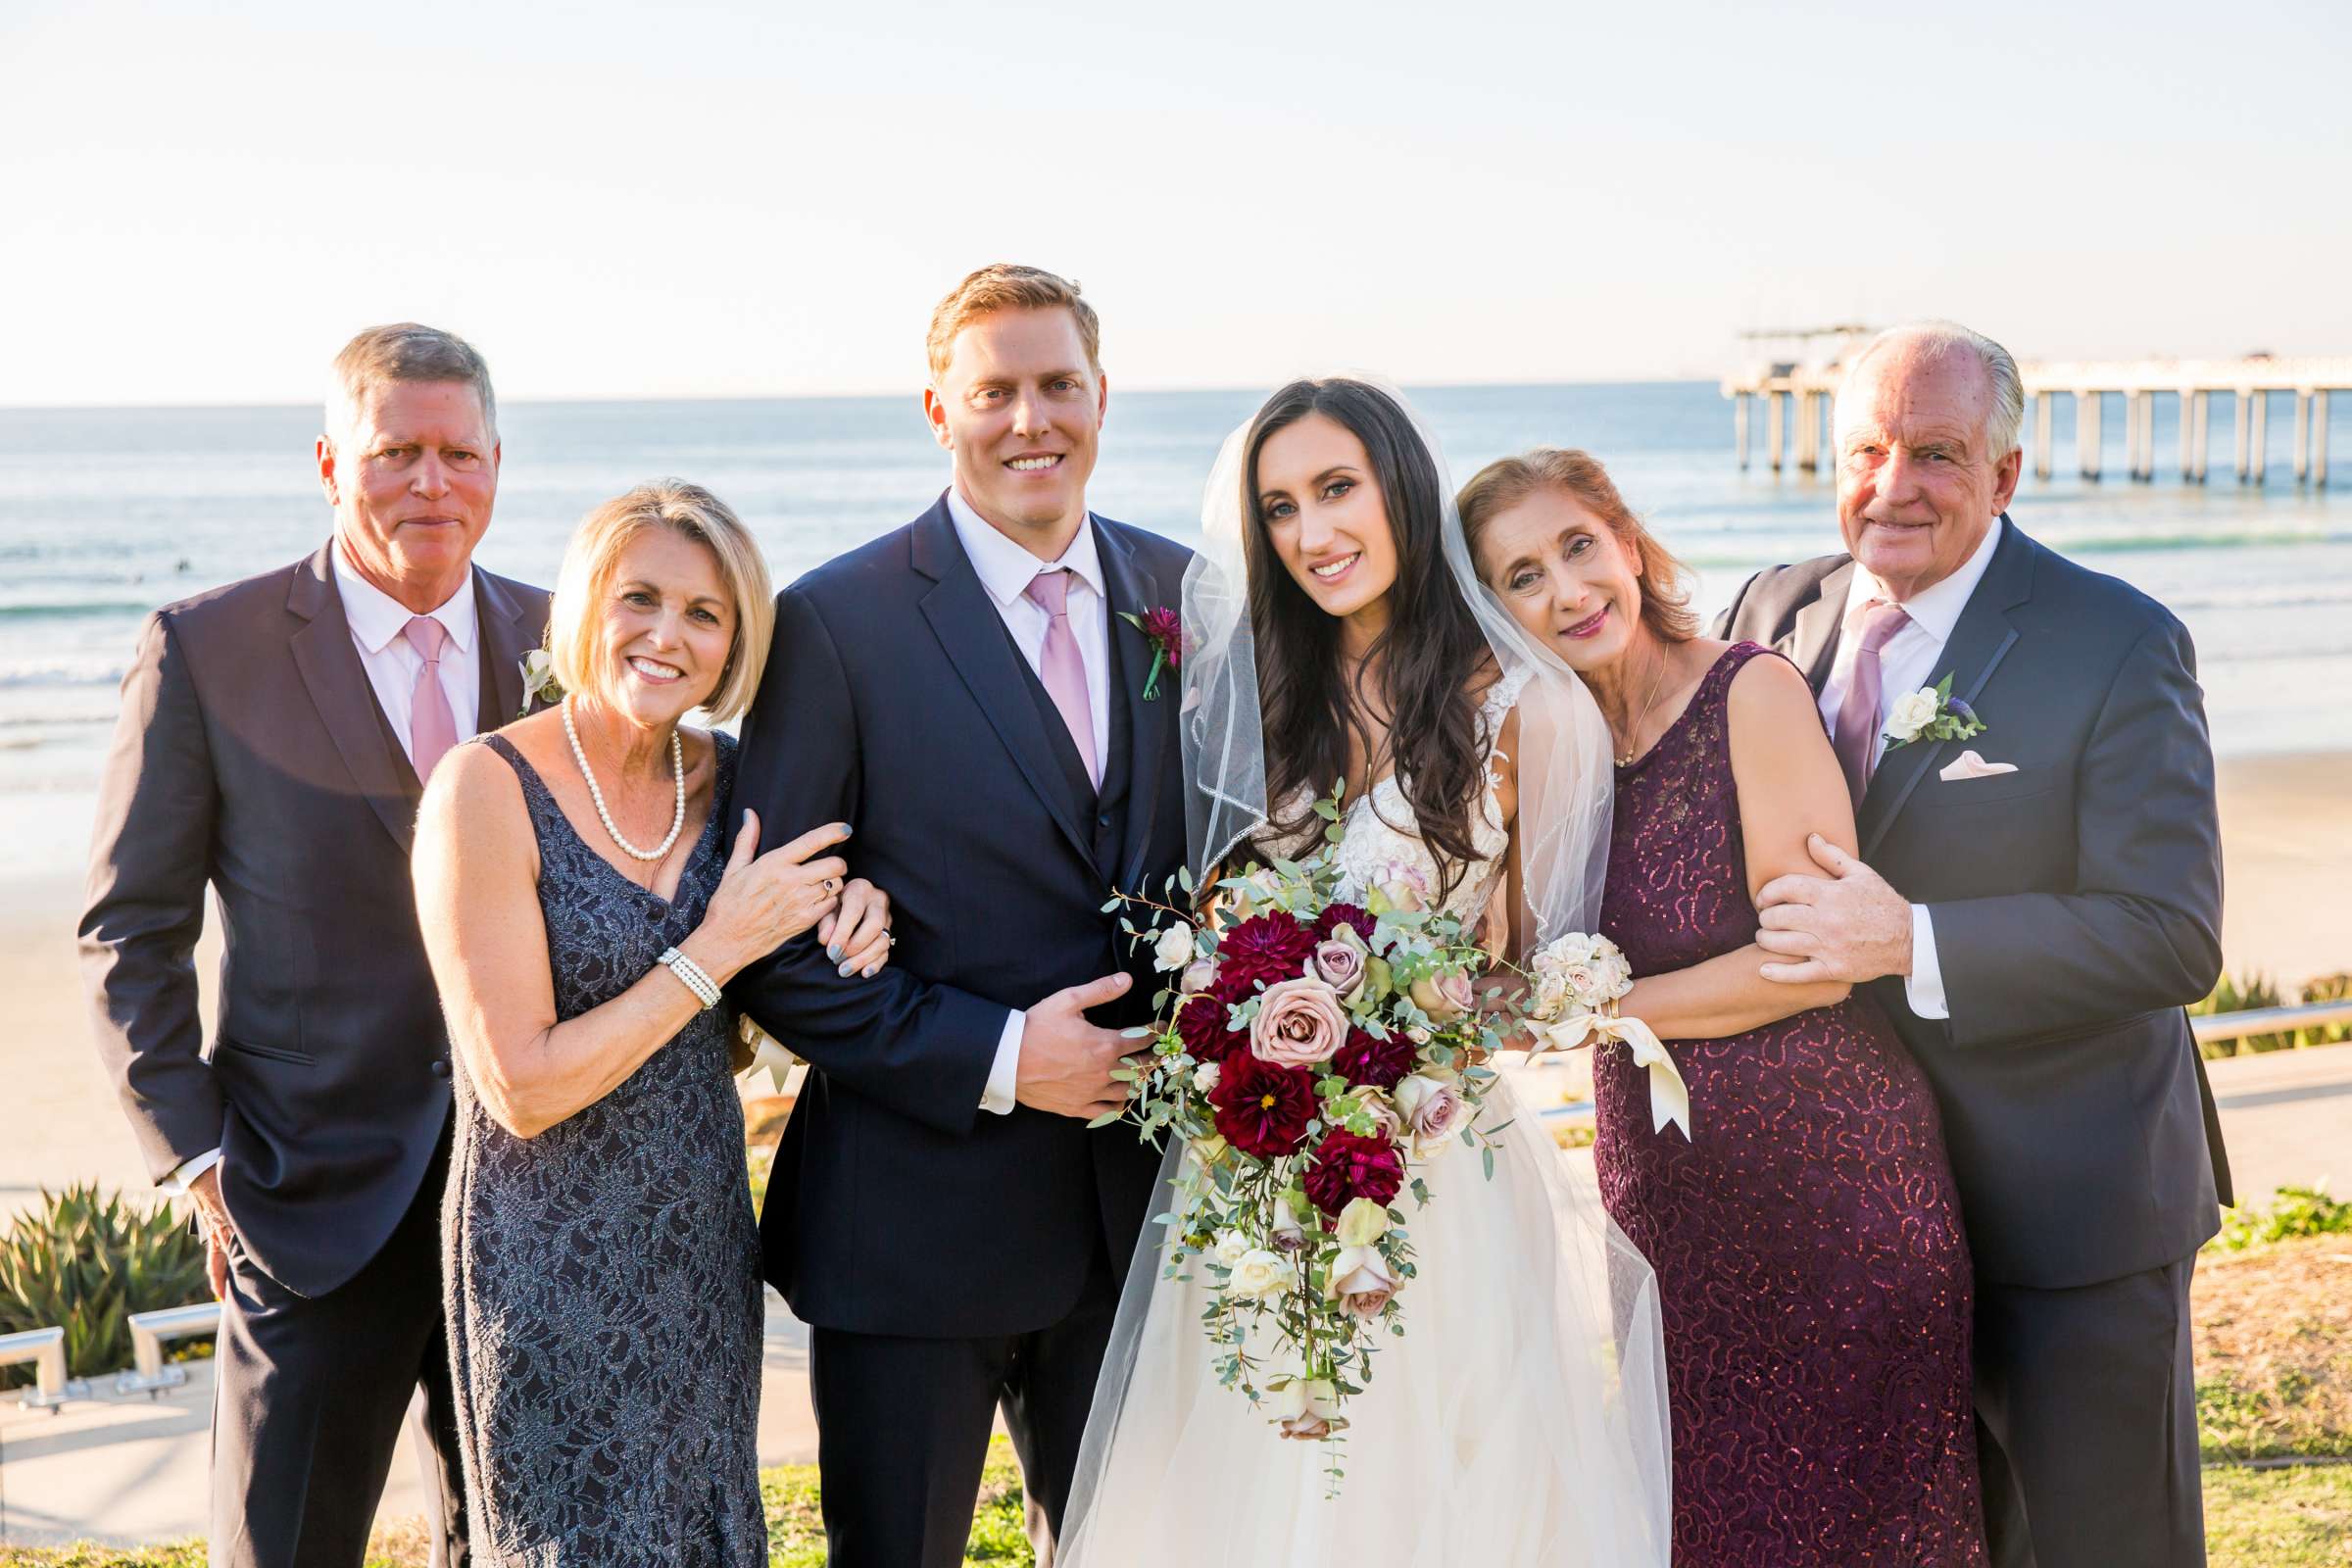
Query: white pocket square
[{"x": 1968, "y": 764}]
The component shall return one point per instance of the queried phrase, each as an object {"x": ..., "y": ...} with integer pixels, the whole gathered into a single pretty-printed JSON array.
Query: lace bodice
[{"x": 1384, "y": 845}]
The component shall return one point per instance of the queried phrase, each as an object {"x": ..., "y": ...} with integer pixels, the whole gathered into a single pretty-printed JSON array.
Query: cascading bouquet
[{"x": 1321, "y": 1044}]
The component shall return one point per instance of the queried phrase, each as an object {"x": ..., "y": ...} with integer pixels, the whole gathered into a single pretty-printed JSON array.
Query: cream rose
[
  {"x": 1198, "y": 976},
  {"x": 1300, "y": 1023},
  {"x": 1913, "y": 711},
  {"x": 1306, "y": 1407},
  {"x": 1205, "y": 1076},
  {"x": 1174, "y": 948},
  {"x": 1259, "y": 1272},
  {"x": 1445, "y": 998},
  {"x": 1362, "y": 1280},
  {"x": 1362, "y": 1222},
  {"x": 1231, "y": 1246}
]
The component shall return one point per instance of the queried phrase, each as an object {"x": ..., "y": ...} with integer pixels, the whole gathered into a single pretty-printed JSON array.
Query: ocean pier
[{"x": 1797, "y": 396}]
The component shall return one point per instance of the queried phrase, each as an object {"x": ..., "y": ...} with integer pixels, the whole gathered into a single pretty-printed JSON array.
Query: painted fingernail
[
  {"x": 833, "y": 951},
  {"x": 844, "y": 971}
]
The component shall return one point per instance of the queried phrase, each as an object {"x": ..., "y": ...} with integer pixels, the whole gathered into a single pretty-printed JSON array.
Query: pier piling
[{"x": 2319, "y": 439}]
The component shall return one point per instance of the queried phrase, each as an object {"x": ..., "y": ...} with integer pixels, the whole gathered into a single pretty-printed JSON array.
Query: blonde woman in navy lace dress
[{"x": 599, "y": 1262}]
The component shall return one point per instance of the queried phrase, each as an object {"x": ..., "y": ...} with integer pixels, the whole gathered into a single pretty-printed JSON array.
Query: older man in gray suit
[
  {"x": 2039, "y": 900},
  {"x": 273, "y": 741}
]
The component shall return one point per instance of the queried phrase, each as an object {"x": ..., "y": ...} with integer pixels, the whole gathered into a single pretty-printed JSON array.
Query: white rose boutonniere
[
  {"x": 1932, "y": 713},
  {"x": 539, "y": 683}
]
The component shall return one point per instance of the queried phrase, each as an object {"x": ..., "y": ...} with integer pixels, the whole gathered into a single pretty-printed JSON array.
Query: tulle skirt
[{"x": 1521, "y": 1419}]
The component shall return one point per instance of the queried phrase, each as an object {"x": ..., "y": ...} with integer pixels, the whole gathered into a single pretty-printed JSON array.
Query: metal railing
[
  {"x": 149, "y": 1330},
  {"x": 46, "y": 1349},
  {"x": 2268, "y": 1020}
]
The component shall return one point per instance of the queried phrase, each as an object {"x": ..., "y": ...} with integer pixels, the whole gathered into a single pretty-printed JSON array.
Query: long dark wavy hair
[{"x": 1422, "y": 664}]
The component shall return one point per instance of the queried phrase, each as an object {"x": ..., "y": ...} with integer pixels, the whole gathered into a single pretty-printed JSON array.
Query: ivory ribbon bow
[{"x": 1669, "y": 1096}]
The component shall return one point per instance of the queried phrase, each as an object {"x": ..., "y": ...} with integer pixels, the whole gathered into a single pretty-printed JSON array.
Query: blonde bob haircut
[{"x": 593, "y": 558}]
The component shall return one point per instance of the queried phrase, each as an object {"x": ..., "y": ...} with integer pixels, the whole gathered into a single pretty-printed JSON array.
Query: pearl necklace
[{"x": 677, "y": 776}]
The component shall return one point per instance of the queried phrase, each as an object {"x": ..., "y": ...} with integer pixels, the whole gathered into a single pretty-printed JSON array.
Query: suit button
[
  {"x": 655, "y": 914},
  {"x": 1102, "y": 821},
  {"x": 440, "y": 1067}
]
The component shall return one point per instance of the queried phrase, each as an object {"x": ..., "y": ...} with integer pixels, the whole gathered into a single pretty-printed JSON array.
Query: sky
[{"x": 202, "y": 203}]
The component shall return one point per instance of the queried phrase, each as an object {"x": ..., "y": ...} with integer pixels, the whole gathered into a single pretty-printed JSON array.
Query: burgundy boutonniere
[{"x": 1166, "y": 633}]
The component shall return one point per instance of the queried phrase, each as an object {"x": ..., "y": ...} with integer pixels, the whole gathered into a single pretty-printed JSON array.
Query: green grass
[
  {"x": 2294, "y": 1212},
  {"x": 2278, "y": 1518}
]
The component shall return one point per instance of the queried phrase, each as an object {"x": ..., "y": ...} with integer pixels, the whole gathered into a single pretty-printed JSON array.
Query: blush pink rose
[
  {"x": 1445, "y": 998},
  {"x": 1340, "y": 966},
  {"x": 1300, "y": 1023}
]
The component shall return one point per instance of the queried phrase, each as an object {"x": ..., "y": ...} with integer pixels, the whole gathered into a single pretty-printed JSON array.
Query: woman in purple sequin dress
[{"x": 1806, "y": 1236}]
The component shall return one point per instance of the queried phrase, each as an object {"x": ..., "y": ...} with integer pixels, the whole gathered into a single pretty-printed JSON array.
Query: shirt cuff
[
  {"x": 1004, "y": 1075},
  {"x": 1923, "y": 988},
  {"x": 179, "y": 1181}
]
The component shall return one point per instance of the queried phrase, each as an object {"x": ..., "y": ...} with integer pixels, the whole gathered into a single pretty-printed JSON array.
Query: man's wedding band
[{"x": 832, "y": 884}]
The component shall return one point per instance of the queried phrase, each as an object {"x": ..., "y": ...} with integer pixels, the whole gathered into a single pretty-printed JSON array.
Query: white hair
[{"x": 2005, "y": 422}]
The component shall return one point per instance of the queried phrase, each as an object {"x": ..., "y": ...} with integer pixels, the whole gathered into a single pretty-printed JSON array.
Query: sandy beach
[{"x": 2287, "y": 852}]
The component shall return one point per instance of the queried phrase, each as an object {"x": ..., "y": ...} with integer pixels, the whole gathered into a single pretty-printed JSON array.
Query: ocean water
[{"x": 106, "y": 514}]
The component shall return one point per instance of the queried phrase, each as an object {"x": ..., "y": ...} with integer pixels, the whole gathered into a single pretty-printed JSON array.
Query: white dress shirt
[
  {"x": 376, "y": 620},
  {"x": 1907, "y": 662},
  {"x": 1006, "y": 568}
]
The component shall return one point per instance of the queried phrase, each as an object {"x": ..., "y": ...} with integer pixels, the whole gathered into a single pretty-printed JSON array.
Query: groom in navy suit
[
  {"x": 965, "y": 693},
  {"x": 2040, "y": 899}
]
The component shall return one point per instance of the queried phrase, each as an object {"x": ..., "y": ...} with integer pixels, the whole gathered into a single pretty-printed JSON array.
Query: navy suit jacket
[
  {"x": 896, "y": 701},
  {"x": 2076, "y": 903}
]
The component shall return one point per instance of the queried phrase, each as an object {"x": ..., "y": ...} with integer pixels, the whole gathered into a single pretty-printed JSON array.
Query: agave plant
[
  {"x": 2327, "y": 988},
  {"x": 87, "y": 1262},
  {"x": 2243, "y": 994}
]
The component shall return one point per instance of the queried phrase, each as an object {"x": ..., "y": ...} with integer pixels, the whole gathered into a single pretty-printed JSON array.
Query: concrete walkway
[{"x": 128, "y": 1471}]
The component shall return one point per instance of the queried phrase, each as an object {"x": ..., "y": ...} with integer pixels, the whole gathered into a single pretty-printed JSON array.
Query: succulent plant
[{"x": 87, "y": 1261}]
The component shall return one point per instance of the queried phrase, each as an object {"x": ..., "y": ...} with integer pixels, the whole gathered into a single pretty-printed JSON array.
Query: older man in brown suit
[{"x": 272, "y": 743}]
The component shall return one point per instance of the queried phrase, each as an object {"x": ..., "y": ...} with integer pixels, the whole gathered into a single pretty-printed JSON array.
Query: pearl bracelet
[{"x": 692, "y": 976}]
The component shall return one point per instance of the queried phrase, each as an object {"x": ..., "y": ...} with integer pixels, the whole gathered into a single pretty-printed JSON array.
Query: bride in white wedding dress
[{"x": 1341, "y": 635}]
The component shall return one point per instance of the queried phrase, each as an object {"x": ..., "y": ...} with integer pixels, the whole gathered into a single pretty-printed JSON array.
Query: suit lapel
[
  {"x": 1812, "y": 641},
  {"x": 500, "y": 619},
  {"x": 1981, "y": 639},
  {"x": 1134, "y": 590},
  {"x": 330, "y": 671},
  {"x": 969, "y": 627}
]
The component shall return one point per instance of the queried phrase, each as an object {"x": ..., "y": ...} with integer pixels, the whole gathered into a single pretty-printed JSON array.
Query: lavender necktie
[
  {"x": 1860, "y": 720},
  {"x": 1060, "y": 668},
  {"x": 432, "y": 726}
]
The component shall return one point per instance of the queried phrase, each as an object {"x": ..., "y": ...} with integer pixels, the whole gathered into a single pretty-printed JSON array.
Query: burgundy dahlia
[
  {"x": 1339, "y": 914},
  {"x": 1263, "y": 948},
  {"x": 1367, "y": 1058},
  {"x": 1262, "y": 1110},
  {"x": 1351, "y": 1165},
  {"x": 1200, "y": 1023}
]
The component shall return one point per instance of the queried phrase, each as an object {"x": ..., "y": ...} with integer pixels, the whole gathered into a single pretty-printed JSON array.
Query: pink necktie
[
  {"x": 1060, "y": 668},
  {"x": 1858, "y": 715},
  {"x": 433, "y": 727}
]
